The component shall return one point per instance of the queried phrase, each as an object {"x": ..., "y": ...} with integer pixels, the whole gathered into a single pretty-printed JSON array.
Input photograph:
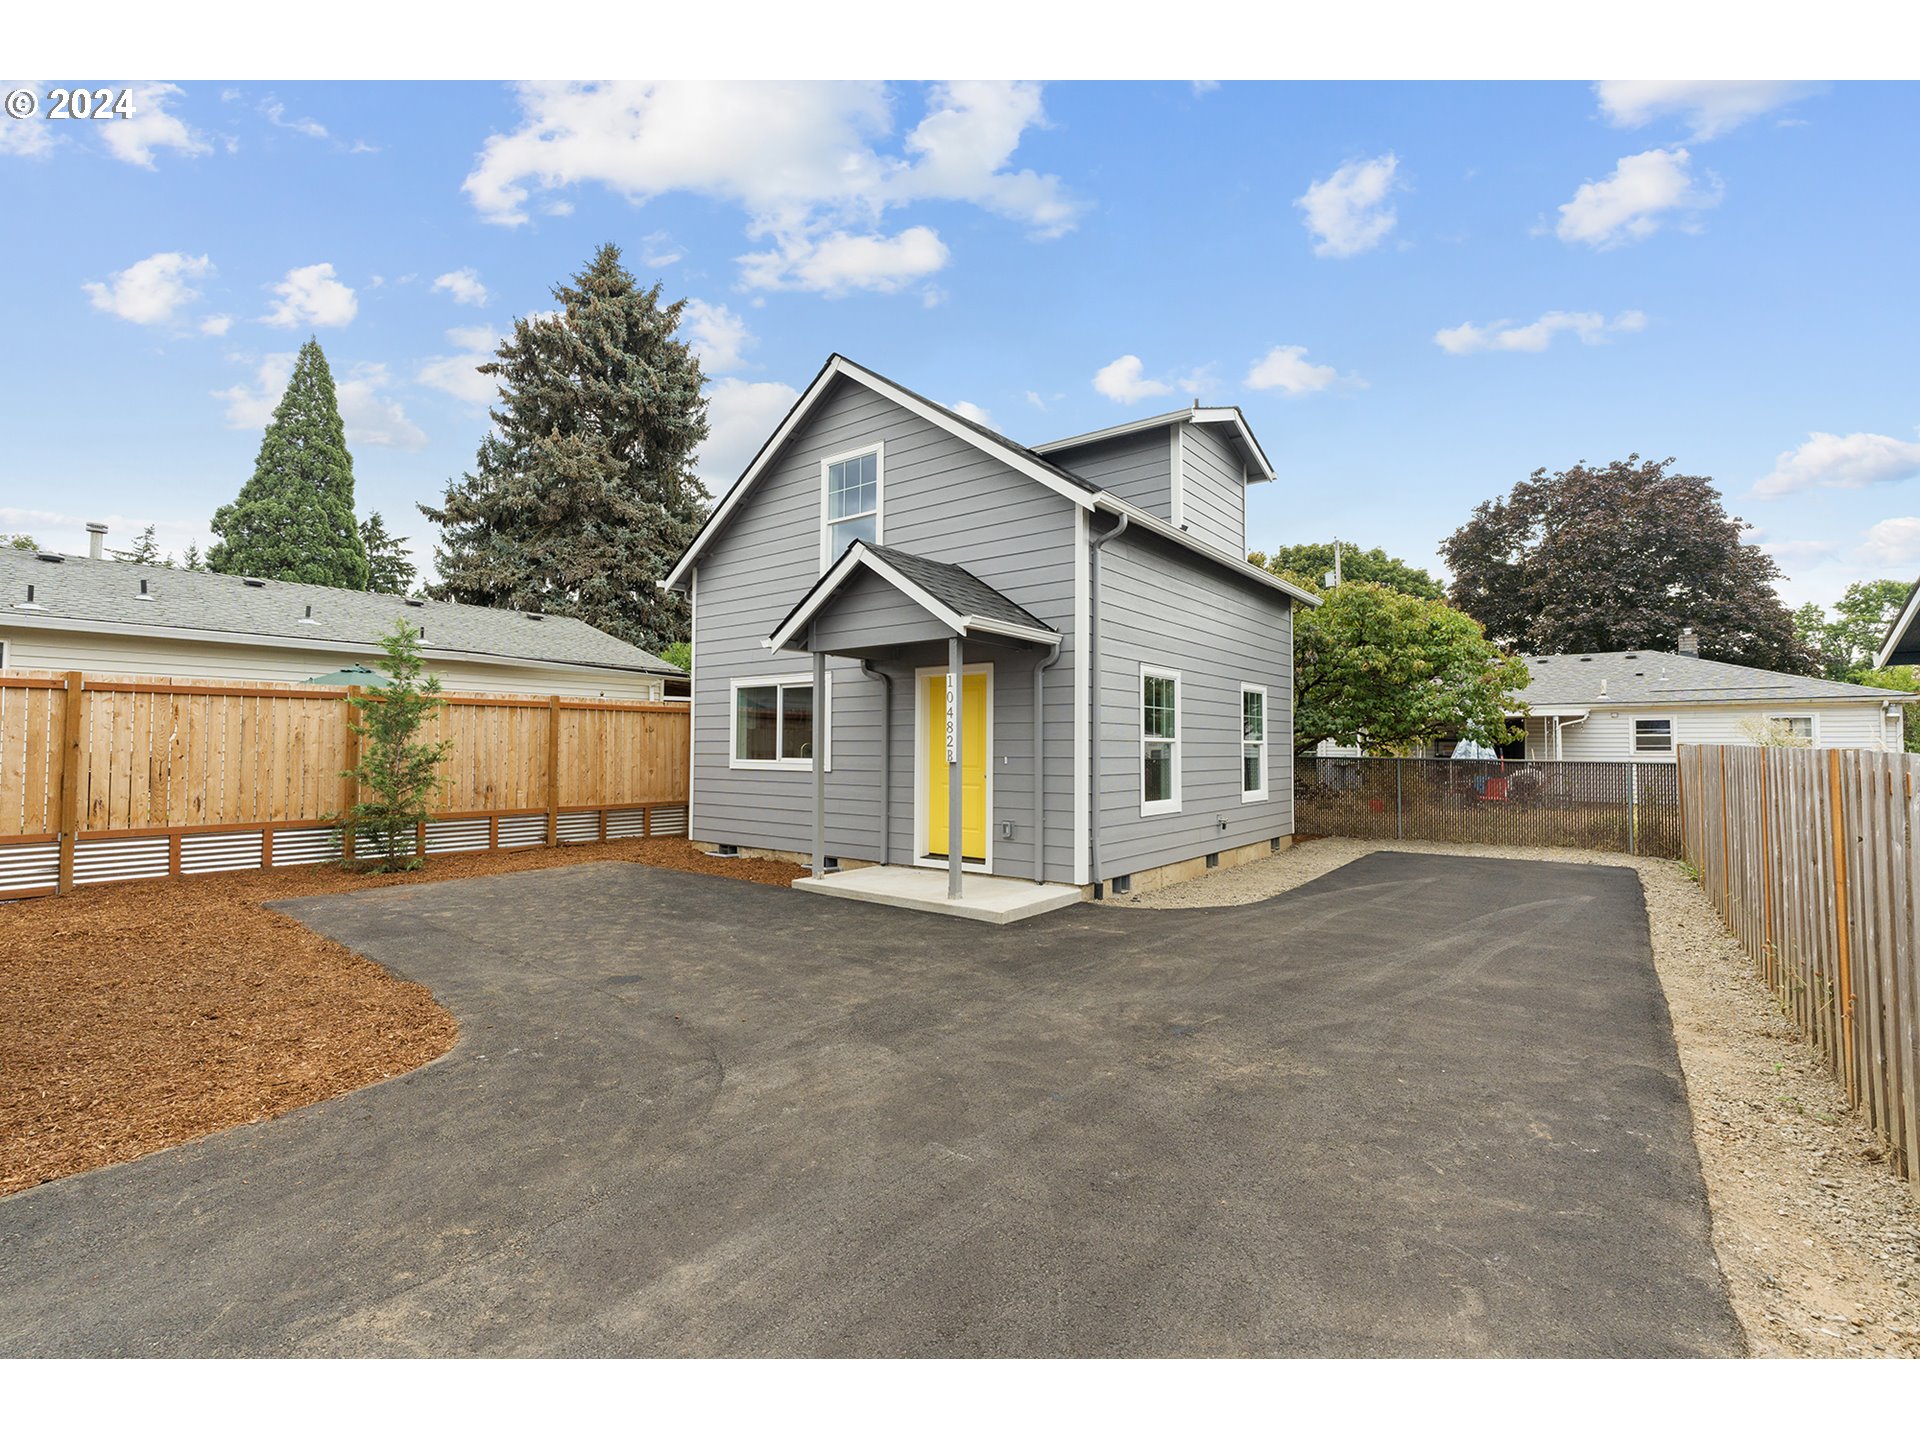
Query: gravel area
[{"x": 1818, "y": 1238}]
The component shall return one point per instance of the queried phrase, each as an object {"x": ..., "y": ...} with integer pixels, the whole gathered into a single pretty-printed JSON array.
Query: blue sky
[{"x": 1418, "y": 292}]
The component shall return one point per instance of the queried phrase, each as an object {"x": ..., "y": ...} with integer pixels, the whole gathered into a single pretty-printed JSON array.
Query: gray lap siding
[
  {"x": 1213, "y": 492},
  {"x": 1162, "y": 608},
  {"x": 941, "y": 498}
]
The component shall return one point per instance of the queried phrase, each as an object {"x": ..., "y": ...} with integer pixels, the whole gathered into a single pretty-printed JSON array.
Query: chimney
[
  {"x": 96, "y": 539},
  {"x": 1689, "y": 642}
]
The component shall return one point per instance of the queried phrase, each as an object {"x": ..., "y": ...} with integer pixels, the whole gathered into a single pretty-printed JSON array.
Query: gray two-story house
[{"x": 1123, "y": 705}]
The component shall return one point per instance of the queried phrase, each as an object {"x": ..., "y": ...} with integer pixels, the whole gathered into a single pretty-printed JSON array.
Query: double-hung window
[
  {"x": 773, "y": 723},
  {"x": 1653, "y": 737},
  {"x": 1800, "y": 727},
  {"x": 850, "y": 511},
  {"x": 1253, "y": 742},
  {"x": 1159, "y": 741}
]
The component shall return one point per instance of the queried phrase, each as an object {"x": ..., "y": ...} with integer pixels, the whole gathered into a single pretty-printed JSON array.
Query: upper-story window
[{"x": 850, "y": 490}]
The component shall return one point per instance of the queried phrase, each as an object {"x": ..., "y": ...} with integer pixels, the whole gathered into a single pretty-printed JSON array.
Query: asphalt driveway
[{"x": 1423, "y": 1105}]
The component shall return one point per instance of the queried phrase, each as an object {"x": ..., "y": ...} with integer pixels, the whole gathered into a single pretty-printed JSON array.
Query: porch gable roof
[{"x": 955, "y": 597}]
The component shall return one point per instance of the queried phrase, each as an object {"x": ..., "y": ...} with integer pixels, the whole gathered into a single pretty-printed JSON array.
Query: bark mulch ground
[{"x": 138, "y": 1016}]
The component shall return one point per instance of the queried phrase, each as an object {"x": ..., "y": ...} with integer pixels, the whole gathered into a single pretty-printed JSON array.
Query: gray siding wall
[
  {"x": 1213, "y": 492},
  {"x": 868, "y": 613},
  {"x": 1138, "y": 468},
  {"x": 1238, "y": 633},
  {"x": 945, "y": 499}
]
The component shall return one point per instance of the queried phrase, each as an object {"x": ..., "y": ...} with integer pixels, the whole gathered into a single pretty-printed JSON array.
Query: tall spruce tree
[
  {"x": 389, "y": 565},
  {"x": 584, "y": 494},
  {"x": 294, "y": 519}
]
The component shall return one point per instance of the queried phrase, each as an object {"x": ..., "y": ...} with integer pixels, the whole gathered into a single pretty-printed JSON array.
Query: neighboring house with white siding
[
  {"x": 1127, "y": 695},
  {"x": 109, "y": 617},
  {"x": 1639, "y": 704}
]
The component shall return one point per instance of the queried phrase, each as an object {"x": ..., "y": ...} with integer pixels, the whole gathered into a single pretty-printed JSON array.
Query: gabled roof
[
  {"x": 1901, "y": 645},
  {"x": 74, "y": 592},
  {"x": 1653, "y": 677},
  {"x": 1082, "y": 493},
  {"x": 954, "y": 596},
  {"x": 1229, "y": 416}
]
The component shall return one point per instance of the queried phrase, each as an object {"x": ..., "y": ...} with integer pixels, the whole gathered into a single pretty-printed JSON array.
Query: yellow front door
[{"x": 973, "y": 767}]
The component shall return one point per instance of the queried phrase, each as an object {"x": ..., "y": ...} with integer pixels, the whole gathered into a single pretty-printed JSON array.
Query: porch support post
[
  {"x": 956, "y": 712},
  {"x": 819, "y": 762}
]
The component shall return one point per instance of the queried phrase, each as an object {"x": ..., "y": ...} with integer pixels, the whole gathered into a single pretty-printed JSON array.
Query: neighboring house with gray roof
[
  {"x": 1124, "y": 712},
  {"x": 71, "y": 612},
  {"x": 1639, "y": 704}
]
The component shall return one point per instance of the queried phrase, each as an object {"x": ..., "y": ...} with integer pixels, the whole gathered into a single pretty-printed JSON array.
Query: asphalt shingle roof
[
  {"x": 956, "y": 588},
  {"x": 1651, "y": 677},
  {"x": 106, "y": 592}
]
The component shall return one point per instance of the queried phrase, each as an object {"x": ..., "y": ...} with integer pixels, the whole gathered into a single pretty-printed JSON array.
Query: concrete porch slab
[{"x": 992, "y": 898}]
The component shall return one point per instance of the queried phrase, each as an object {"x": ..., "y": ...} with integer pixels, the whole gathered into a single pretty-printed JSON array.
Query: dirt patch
[
  {"x": 138, "y": 1016},
  {"x": 1818, "y": 1238}
]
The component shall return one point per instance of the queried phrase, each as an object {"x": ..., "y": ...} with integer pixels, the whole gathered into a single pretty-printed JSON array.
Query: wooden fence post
[
  {"x": 1842, "y": 934},
  {"x": 553, "y": 770},
  {"x": 349, "y": 791},
  {"x": 1766, "y": 875},
  {"x": 70, "y": 771},
  {"x": 1726, "y": 848}
]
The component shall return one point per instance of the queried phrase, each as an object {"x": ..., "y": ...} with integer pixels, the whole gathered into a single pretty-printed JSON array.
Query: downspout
[
  {"x": 1040, "y": 767},
  {"x": 1095, "y": 543},
  {"x": 886, "y": 753}
]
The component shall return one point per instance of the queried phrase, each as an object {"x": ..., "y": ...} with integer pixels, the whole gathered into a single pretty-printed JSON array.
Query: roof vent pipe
[
  {"x": 96, "y": 540},
  {"x": 143, "y": 595}
]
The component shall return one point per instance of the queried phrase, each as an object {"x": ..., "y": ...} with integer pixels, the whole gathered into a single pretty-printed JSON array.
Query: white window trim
[
  {"x": 758, "y": 682},
  {"x": 1633, "y": 737},
  {"x": 1812, "y": 717},
  {"x": 1249, "y": 797},
  {"x": 879, "y": 452},
  {"x": 1159, "y": 672}
]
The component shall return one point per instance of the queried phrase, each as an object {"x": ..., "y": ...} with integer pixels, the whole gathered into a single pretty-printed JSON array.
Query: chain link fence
[{"x": 1588, "y": 804}]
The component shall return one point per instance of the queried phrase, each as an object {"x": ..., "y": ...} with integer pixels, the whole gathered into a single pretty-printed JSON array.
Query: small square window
[{"x": 1653, "y": 737}]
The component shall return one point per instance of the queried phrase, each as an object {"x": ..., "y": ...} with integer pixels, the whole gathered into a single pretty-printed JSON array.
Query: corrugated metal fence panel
[
  {"x": 518, "y": 830},
  {"x": 29, "y": 867},
  {"x": 444, "y": 836},
  {"x": 137, "y": 858},
  {"x": 207, "y": 854},
  {"x": 624, "y": 824},
  {"x": 669, "y": 820},
  {"x": 580, "y": 826},
  {"x": 305, "y": 847}
]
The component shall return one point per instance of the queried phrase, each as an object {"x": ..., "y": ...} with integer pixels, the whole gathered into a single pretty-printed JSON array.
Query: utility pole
[{"x": 1333, "y": 575}]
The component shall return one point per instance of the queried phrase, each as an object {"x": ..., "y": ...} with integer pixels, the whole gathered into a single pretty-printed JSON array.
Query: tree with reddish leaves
[{"x": 1621, "y": 557}]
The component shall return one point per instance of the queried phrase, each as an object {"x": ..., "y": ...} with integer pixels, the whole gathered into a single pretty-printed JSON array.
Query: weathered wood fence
[
  {"x": 119, "y": 778},
  {"x": 1812, "y": 857}
]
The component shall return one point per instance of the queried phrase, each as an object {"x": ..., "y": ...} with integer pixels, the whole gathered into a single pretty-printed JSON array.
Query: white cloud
[
  {"x": 30, "y": 137},
  {"x": 658, "y": 250},
  {"x": 65, "y": 533},
  {"x": 1036, "y": 399},
  {"x": 276, "y": 113},
  {"x": 370, "y": 415},
  {"x": 311, "y": 296},
  {"x": 804, "y": 160},
  {"x": 459, "y": 375},
  {"x": 216, "y": 325},
  {"x": 1349, "y": 211},
  {"x": 1205, "y": 87},
  {"x": 1286, "y": 367},
  {"x": 839, "y": 263},
  {"x": 1790, "y": 551},
  {"x": 718, "y": 336},
  {"x": 464, "y": 285},
  {"x": 152, "y": 291},
  {"x": 741, "y": 414},
  {"x": 967, "y": 410},
  {"x": 1711, "y": 107},
  {"x": 1632, "y": 202},
  {"x": 1895, "y": 541},
  {"x": 152, "y": 127},
  {"x": 1841, "y": 462},
  {"x": 1591, "y": 327},
  {"x": 1123, "y": 381}
]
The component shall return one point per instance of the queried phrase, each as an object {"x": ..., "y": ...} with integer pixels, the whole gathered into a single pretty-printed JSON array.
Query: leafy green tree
[
  {"x": 680, "y": 653},
  {"x": 1900, "y": 677},
  {"x": 294, "y": 519},
  {"x": 1860, "y": 620},
  {"x": 583, "y": 494},
  {"x": 398, "y": 773},
  {"x": 1315, "y": 560},
  {"x": 1377, "y": 667},
  {"x": 22, "y": 542},
  {"x": 389, "y": 566},
  {"x": 1814, "y": 632},
  {"x": 1621, "y": 557}
]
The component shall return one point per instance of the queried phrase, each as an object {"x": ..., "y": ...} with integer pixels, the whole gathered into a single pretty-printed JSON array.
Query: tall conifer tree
[
  {"x": 294, "y": 519},
  {"x": 584, "y": 494}
]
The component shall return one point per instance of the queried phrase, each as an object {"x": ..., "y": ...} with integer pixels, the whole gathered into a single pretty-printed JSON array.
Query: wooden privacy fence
[
  {"x": 117, "y": 778},
  {"x": 1620, "y": 805},
  {"x": 1810, "y": 858}
]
